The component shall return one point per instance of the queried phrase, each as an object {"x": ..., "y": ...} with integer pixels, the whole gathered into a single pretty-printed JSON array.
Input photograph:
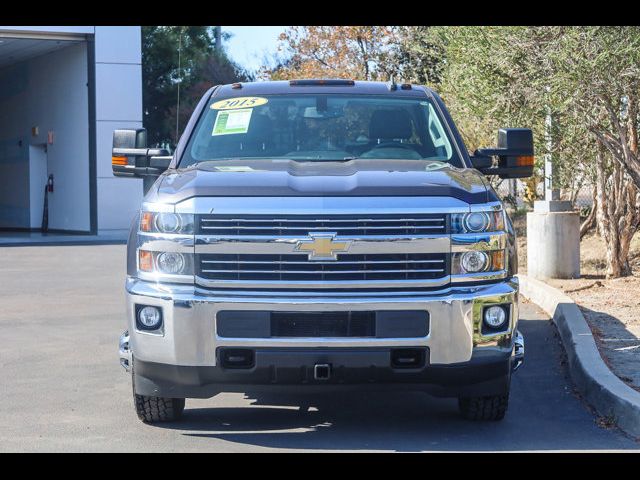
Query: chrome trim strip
[
  {"x": 322, "y": 205},
  {"x": 312, "y": 342},
  {"x": 328, "y": 272},
  {"x": 166, "y": 242},
  {"x": 165, "y": 278},
  {"x": 478, "y": 277},
  {"x": 464, "y": 242},
  {"x": 332, "y": 220},
  {"x": 319, "y": 285},
  {"x": 311, "y": 229},
  {"x": 185, "y": 295},
  {"x": 341, "y": 262},
  {"x": 286, "y": 244},
  {"x": 486, "y": 207}
]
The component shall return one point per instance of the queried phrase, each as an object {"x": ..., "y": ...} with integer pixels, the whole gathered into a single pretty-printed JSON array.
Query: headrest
[{"x": 388, "y": 124}]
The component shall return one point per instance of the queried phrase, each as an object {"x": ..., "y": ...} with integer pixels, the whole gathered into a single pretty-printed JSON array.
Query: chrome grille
[
  {"x": 297, "y": 267},
  {"x": 302, "y": 225}
]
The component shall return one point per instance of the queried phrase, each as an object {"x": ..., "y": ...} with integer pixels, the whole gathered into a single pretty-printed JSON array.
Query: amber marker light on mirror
[
  {"x": 145, "y": 261},
  {"x": 525, "y": 161}
]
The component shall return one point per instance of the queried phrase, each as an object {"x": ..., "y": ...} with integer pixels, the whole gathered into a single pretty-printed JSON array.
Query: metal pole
[
  {"x": 179, "y": 82},
  {"x": 550, "y": 192}
]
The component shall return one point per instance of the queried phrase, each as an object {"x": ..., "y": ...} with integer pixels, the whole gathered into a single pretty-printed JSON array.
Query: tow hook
[
  {"x": 518, "y": 351},
  {"x": 322, "y": 371},
  {"x": 124, "y": 352}
]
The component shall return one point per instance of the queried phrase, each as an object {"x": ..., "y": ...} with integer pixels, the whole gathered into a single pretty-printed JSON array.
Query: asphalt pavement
[{"x": 62, "y": 388}]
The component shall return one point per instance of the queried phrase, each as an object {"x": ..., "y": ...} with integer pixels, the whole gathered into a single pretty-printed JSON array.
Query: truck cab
[{"x": 310, "y": 235}]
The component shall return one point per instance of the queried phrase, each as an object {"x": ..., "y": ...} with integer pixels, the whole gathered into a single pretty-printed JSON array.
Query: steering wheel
[{"x": 394, "y": 145}]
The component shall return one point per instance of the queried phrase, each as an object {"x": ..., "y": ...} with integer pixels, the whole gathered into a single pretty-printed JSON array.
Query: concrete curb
[{"x": 609, "y": 395}]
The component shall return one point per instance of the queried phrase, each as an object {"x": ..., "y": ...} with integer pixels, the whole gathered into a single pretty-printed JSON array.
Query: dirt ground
[{"x": 610, "y": 306}]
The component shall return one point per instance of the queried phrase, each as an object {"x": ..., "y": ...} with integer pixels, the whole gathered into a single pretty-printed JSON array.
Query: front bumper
[
  {"x": 189, "y": 337},
  {"x": 292, "y": 371}
]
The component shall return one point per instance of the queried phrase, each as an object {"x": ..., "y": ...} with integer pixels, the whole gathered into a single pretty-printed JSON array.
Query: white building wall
[
  {"x": 118, "y": 58},
  {"x": 49, "y": 92},
  {"x": 118, "y": 104}
]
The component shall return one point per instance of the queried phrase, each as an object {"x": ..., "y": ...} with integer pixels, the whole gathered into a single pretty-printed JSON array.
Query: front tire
[
  {"x": 491, "y": 408},
  {"x": 156, "y": 409}
]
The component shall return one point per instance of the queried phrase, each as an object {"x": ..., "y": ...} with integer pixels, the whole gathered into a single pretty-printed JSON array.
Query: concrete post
[
  {"x": 553, "y": 228},
  {"x": 553, "y": 241}
]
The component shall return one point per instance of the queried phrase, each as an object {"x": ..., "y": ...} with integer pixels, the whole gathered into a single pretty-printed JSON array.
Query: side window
[{"x": 438, "y": 136}]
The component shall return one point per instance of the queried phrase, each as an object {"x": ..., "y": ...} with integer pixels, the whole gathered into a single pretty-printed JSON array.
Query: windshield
[{"x": 322, "y": 127}]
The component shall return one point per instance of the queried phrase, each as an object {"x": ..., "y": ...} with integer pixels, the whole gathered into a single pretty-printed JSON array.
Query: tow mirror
[
  {"x": 514, "y": 152},
  {"x": 131, "y": 158}
]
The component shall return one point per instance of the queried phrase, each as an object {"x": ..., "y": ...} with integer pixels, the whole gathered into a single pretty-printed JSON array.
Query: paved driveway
[{"x": 62, "y": 389}]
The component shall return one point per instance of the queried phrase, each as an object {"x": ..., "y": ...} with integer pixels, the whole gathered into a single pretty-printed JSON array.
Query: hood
[{"x": 283, "y": 177}]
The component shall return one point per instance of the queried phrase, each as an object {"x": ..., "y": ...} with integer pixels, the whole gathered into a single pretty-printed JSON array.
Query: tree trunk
[
  {"x": 617, "y": 214},
  {"x": 590, "y": 221}
]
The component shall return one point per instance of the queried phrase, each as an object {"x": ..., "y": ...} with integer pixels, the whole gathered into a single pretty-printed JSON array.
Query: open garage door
[{"x": 44, "y": 132}]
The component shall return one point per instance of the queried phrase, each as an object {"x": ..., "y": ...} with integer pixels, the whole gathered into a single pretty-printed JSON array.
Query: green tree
[
  {"x": 185, "y": 60},
  {"x": 216, "y": 69},
  {"x": 419, "y": 56},
  {"x": 596, "y": 82},
  {"x": 357, "y": 52},
  {"x": 587, "y": 79},
  {"x": 161, "y": 76}
]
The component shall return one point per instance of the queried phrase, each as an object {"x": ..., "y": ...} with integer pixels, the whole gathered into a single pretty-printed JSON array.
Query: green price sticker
[{"x": 229, "y": 122}]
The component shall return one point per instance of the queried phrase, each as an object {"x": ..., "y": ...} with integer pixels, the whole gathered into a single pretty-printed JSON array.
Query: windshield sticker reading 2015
[{"x": 239, "y": 102}]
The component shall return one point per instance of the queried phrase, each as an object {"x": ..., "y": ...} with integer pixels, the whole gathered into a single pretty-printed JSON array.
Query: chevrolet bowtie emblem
[{"x": 322, "y": 246}]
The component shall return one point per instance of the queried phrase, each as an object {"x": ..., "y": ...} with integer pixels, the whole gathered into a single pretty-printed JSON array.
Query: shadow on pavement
[
  {"x": 619, "y": 347},
  {"x": 544, "y": 414}
]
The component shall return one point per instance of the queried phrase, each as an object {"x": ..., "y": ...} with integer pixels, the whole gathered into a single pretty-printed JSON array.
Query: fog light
[
  {"x": 495, "y": 317},
  {"x": 171, "y": 263},
  {"x": 473, "y": 262},
  {"x": 149, "y": 318}
]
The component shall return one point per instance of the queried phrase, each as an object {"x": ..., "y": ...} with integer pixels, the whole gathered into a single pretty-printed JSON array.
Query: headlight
[
  {"x": 476, "y": 222},
  {"x": 473, "y": 262},
  {"x": 171, "y": 263},
  {"x": 165, "y": 263},
  {"x": 477, "y": 261},
  {"x": 166, "y": 222}
]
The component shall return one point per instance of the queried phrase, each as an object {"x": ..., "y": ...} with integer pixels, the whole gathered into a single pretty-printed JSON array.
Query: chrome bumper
[
  {"x": 124, "y": 351},
  {"x": 518, "y": 351},
  {"x": 189, "y": 338}
]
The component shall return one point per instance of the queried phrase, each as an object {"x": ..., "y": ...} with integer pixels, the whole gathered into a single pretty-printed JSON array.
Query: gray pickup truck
[{"x": 309, "y": 235}]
